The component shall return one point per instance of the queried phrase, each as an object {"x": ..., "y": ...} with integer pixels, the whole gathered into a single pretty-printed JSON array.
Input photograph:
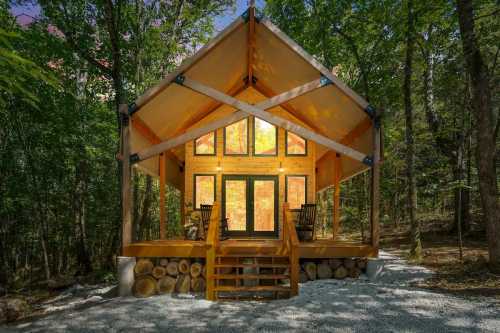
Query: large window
[
  {"x": 296, "y": 191},
  {"x": 205, "y": 145},
  {"x": 236, "y": 138},
  {"x": 295, "y": 145},
  {"x": 265, "y": 138},
  {"x": 204, "y": 190}
]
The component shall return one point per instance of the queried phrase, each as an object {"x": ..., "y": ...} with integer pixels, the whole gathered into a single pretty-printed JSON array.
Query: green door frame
[{"x": 250, "y": 232}]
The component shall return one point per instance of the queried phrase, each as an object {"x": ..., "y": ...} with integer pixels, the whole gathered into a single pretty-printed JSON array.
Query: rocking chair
[{"x": 306, "y": 222}]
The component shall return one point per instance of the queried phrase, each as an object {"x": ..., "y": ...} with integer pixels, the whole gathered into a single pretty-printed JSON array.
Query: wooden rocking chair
[
  {"x": 206, "y": 211},
  {"x": 306, "y": 222}
]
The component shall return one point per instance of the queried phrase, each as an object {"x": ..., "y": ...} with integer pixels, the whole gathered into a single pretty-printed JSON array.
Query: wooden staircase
[
  {"x": 252, "y": 277},
  {"x": 251, "y": 270}
]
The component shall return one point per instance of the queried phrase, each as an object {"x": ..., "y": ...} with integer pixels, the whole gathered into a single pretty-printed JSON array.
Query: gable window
[
  {"x": 205, "y": 145},
  {"x": 204, "y": 190},
  {"x": 265, "y": 138},
  {"x": 236, "y": 138},
  {"x": 295, "y": 145},
  {"x": 296, "y": 191}
]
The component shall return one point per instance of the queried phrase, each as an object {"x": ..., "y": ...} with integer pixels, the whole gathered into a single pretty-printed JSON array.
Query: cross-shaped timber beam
[
  {"x": 273, "y": 119},
  {"x": 232, "y": 118}
]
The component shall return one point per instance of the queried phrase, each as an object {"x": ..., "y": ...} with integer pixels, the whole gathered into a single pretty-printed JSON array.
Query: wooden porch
[{"x": 320, "y": 248}]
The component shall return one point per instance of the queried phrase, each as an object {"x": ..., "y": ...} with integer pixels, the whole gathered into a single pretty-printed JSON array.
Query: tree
[{"x": 486, "y": 131}]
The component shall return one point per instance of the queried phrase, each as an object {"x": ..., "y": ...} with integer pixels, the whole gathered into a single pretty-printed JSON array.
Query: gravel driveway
[{"x": 386, "y": 305}]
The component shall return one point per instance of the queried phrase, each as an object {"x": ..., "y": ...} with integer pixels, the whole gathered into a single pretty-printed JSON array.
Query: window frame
[
  {"x": 286, "y": 189},
  {"x": 286, "y": 145},
  {"x": 215, "y": 145},
  {"x": 194, "y": 187},
  {"x": 248, "y": 138},
  {"x": 254, "y": 136}
]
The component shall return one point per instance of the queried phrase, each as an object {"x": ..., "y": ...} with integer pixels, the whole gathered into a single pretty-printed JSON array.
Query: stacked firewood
[
  {"x": 331, "y": 268},
  {"x": 166, "y": 276}
]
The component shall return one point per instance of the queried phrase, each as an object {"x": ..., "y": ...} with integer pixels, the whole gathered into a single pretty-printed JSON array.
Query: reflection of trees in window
[
  {"x": 204, "y": 190},
  {"x": 295, "y": 145},
  {"x": 236, "y": 138},
  {"x": 263, "y": 205},
  {"x": 236, "y": 204},
  {"x": 264, "y": 138},
  {"x": 205, "y": 145},
  {"x": 296, "y": 191}
]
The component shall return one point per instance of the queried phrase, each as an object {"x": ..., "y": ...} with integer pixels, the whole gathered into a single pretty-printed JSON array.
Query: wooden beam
[
  {"x": 350, "y": 137},
  {"x": 237, "y": 88},
  {"x": 361, "y": 102},
  {"x": 163, "y": 221},
  {"x": 190, "y": 135},
  {"x": 141, "y": 127},
  {"x": 273, "y": 119},
  {"x": 188, "y": 63},
  {"x": 336, "y": 195},
  {"x": 268, "y": 92},
  {"x": 126, "y": 172},
  {"x": 375, "y": 189},
  {"x": 251, "y": 43},
  {"x": 293, "y": 93}
]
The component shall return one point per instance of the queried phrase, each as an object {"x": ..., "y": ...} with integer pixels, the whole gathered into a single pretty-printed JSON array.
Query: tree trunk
[
  {"x": 485, "y": 130},
  {"x": 415, "y": 246}
]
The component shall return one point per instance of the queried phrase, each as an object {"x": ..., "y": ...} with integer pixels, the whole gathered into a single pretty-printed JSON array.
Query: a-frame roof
[{"x": 255, "y": 48}]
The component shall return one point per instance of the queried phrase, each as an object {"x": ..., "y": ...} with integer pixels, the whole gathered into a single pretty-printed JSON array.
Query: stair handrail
[
  {"x": 292, "y": 243},
  {"x": 212, "y": 242}
]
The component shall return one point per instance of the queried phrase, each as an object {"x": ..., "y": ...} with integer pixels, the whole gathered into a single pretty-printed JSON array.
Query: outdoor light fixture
[
  {"x": 281, "y": 169},
  {"x": 218, "y": 168}
]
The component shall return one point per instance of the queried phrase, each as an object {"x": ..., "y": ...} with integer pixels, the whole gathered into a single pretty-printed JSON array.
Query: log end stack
[
  {"x": 168, "y": 275},
  {"x": 338, "y": 268}
]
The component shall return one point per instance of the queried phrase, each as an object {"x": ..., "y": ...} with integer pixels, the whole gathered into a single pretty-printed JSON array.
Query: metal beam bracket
[
  {"x": 259, "y": 15},
  {"x": 370, "y": 111},
  {"x": 368, "y": 160},
  {"x": 377, "y": 121},
  {"x": 179, "y": 79},
  {"x": 246, "y": 15},
  {"x": 325, "y": 81},
  {"x": 134, "y": 158},
  {"x": 132, "y": 108}
]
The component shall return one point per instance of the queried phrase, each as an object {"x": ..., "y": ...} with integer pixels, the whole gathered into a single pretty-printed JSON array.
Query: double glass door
[{"x": 250, "y": 204}]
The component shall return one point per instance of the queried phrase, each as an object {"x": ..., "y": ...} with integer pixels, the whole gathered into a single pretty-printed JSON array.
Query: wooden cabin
[{"x": 254, "y": 126}]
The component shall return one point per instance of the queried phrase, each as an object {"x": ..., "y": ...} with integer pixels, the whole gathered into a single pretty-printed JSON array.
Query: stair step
[
  {"x": 252, "y": 265},
  {"x": 252, "y": 288},
  {"x": 251, "y": 276}
]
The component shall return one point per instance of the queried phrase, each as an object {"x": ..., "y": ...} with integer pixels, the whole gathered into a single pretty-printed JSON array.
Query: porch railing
[
  {"x": 212, "y": 241},
  {"x": 291, "y": 243}
]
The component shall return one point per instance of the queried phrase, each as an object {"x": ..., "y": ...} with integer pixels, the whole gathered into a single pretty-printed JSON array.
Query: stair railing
[
  {"x": 291, "y": 242},
  {"x": 212, "y": 242}
]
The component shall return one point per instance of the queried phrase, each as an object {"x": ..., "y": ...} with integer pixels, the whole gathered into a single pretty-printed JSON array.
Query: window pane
[
  {"x": 236, "y": 205},
  {"x": 295, "y": 145},
  {"x": 236, "y": 138},
  {"x": 265, "y": 138},
  {"x": 204, "y": 190},
  {"x": 205, "y": 145},
  {"x": 296, "y": 191},
  {"x": 263, "y": 205}
]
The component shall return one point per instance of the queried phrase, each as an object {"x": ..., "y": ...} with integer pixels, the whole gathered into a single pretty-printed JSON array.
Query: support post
[
  {"x": 163, "y": 221},
  {"x": 126, "y": 172},
  {"x": 336, "y": 196},
  {"x": 375, "y": 185}
]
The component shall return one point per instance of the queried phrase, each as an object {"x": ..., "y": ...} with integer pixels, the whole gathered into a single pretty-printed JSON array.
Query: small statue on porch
[{"x": 192, "y": 224}]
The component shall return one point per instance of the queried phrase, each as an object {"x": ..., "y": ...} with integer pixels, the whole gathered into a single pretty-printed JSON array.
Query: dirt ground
[{"x": 441, "y": 255}]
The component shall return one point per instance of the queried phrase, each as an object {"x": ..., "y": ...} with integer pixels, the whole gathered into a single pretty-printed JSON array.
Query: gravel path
[{"x": 386, "y": 305}]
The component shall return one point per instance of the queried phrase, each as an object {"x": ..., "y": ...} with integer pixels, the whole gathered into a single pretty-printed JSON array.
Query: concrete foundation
[{"x": 125, "y": 267}]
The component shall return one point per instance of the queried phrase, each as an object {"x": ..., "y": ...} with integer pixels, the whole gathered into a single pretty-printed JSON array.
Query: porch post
[
  {"x": 162, "y": 195},
  {"x": 375, "y": 184},
  {"x": 336, "y": 196},
  {"x": 126, "y": 188}
]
